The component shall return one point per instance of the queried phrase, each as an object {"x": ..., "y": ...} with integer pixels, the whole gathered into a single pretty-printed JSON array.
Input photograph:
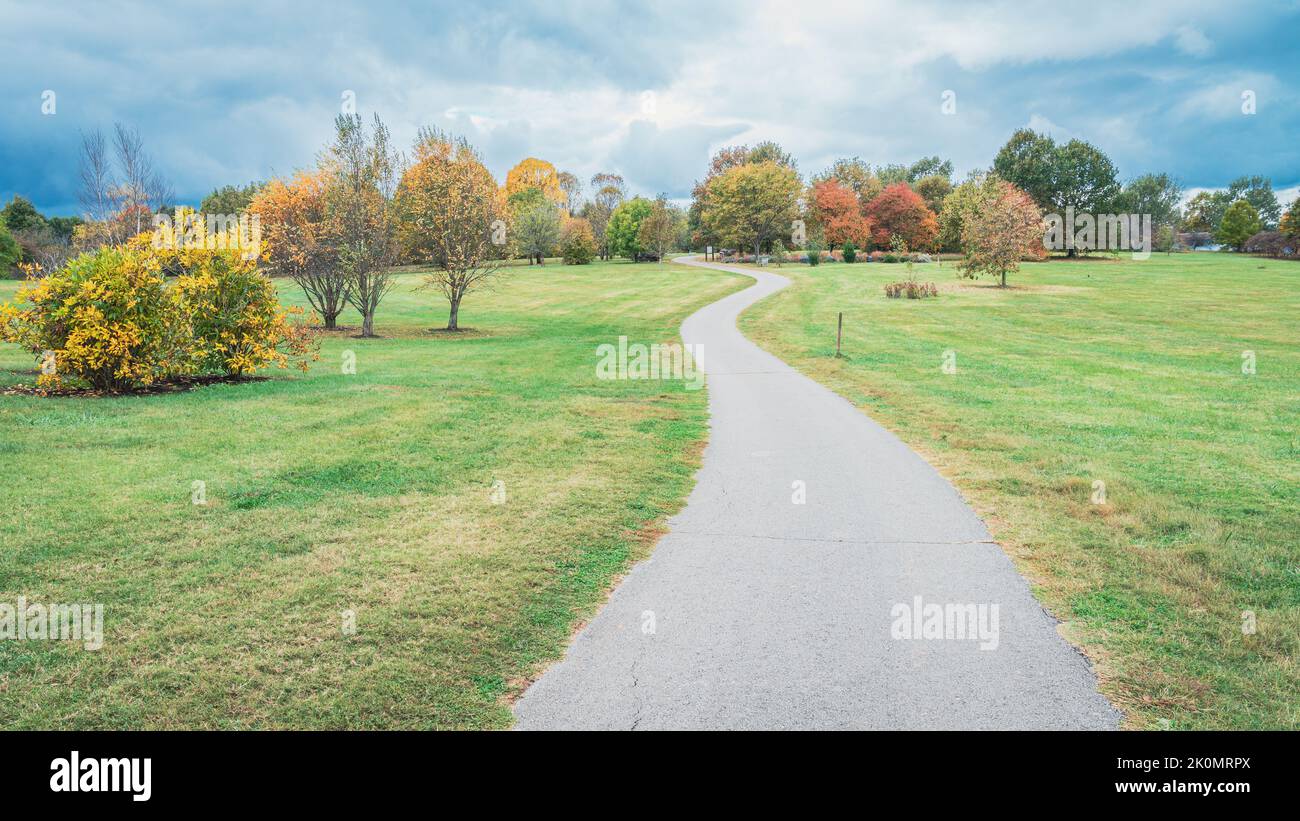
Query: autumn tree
[
  {"x": 452, "y": 216},
  {"x": 535, "y": 173},
  {"x": 961, "y": 203},
  {"x": 855, "y": 174},
  {"x": 900, "y": 211},
  {"x": 1240, "y": 222},
  {"x": 577, "y": 244},
  {"x": 572, "y": 188},
  {"x": 753, "y": 204},
  {"x": 363, "y": 170},
  {"x": 933, "y": 189},
  {"x": 836, "y": 210},
  {"x": 659, "y": 230},
  {"x": 1002, "y": 229},
  {"x": 298, "y": 240},
  {"x": 608, "y": 190},
  {"x": 1290, "y": 224},
  {"x": 722, "y": 161}
]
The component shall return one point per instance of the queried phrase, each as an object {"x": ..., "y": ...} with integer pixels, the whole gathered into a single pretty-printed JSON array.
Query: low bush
[
  {"x": 109, "y": 319},
  {"x": 911, "y": 289},
  {"x": 850, "y": 252},
  {"x": 577, "y": 242}
]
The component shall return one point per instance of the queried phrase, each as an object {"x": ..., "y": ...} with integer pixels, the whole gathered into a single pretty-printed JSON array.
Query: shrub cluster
[
  {"x": 911, "y": 289},
  {"x": 110, "y": 319}
]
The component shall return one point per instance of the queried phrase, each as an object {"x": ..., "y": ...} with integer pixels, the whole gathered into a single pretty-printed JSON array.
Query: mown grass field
[
  {"x": 370, "y": 493},
  {"x": 1118, "y": 371}
]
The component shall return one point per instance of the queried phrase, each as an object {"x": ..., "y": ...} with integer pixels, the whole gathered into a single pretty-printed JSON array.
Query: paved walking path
[{"x": 756, "y": 612}]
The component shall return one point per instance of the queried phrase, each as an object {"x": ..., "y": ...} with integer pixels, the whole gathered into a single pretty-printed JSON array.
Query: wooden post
[{"x": 839, "y": 335}]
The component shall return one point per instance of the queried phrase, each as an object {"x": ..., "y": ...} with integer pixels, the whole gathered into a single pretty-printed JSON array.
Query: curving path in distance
[{"x": 757, "y": 612}]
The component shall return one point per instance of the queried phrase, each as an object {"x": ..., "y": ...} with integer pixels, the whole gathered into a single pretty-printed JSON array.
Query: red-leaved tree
[
  {"x": 836, "y": 208},
  {"x": 900, "y": 211}
]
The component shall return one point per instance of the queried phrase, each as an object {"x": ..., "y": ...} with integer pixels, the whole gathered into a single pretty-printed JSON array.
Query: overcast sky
[{"x": 231, "y": 92}]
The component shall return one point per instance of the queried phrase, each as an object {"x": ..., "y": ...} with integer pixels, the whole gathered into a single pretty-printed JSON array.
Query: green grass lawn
[
  {"x": 1123, "y": 372},
  {"x": 369, "y": 493}
]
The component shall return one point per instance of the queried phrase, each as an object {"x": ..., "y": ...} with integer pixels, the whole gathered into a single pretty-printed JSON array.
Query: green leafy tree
[
  {"x": 929, "y": 167},
  {"x": 1258, "y": 191},
  {"x": 1205, "y": 211},
  {"x": 624, "y": 229},
  {"x": 230, "y": 199},
  {"x": 1240, "y": 223},
  {"x": 1028, "y": 160},
  {"x": 1154, "y": 194},
  {"x": 1083, "y": 177},
  {"x": 10, "y": 251},
  {"x": 537, "y": 230},
  {"x": 21, "y": 215}
]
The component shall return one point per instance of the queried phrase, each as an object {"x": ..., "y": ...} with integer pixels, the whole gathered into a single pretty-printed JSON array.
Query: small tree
[
  {"x": 536, "y": 229},
  {"x": 299, "y": 242},
  {"x": 1240, "y": 223},
  {"x": 658, "y": 231},
  {"x": 1290, "y": 224},
  {"x": 1001, "y": 231},
  {"x": 450, "y": 215},
  {"x": 608, "y": 190},
  {"x": 850, "y": 252},
  {"x": 577, "y": 245},
  {"x": 624, "y": 230},
  {"x": 364, "y": 173}
]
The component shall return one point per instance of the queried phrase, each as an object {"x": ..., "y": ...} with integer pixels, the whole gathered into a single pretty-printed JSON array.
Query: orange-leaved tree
[
  {"x": 836, "y": 210},
  {"x": 450, "y": 214},
  {"x": 298, "y": 239}
]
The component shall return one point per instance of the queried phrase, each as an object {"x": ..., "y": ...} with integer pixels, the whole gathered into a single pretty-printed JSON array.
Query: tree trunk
[
  {"x": 330, "y": 320},
  {"x": 452, "y": 324},
  {"x": 1004, "y": 279},
  {"x": 368, "y": 324}
]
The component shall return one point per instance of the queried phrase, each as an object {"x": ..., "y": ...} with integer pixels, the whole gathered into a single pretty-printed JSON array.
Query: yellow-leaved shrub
[{"x": 111, "y": 319}]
